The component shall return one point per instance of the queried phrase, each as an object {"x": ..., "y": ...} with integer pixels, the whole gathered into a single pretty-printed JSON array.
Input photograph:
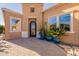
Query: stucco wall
[
  {"x": 27, "y": 14},
  {"x": 60, "y": 9},
  {"x": 73, "y": 38},
  {"x": 7, "y": 16},
  {"x": 69, "y": 38}
]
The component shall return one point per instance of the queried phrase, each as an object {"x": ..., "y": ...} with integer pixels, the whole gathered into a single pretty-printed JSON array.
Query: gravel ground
[{"x": 70, "y": 51}]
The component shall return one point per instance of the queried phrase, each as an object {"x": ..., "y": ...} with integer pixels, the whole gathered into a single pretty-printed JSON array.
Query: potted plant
[
  {"x": 55, "y": 34},
  {"x": 49, "y": 36},
  {"x": 42, "y": 33}
]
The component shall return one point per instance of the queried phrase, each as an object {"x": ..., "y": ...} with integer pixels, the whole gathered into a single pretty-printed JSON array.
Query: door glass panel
[
  {"x": 32, "y": 28},
  {"x": 33, "y": 25}
]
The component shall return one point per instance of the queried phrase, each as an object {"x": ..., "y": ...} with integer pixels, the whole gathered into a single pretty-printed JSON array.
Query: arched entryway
[{"x": 32, "y": 29}]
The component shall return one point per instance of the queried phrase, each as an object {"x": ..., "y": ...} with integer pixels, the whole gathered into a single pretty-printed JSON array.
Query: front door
[{"x": 33, "y": 29}]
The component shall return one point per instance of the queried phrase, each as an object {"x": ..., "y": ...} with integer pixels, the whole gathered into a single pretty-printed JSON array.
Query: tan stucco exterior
[
  {"x": 40, "y": 16},
  {"x": 60, "y": 9},
  {"x": 7, "y": 15},
  {"x": 27, "y": 15}
]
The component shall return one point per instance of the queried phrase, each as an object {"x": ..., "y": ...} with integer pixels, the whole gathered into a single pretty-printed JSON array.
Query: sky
[{"x": 18, "y": 8}]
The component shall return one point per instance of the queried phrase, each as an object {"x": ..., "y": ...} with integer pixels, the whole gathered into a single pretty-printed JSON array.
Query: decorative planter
[
  {"x": 49, "y": 38},
  {"x": 56, "y": 40},
  {"x": 42, "y": 36}
]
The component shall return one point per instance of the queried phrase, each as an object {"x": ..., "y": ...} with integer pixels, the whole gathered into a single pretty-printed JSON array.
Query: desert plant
[
  {"x": 1, "y": 29},
  {"x": 43, "y": 31},
  {"x": 56, "y": 32}
]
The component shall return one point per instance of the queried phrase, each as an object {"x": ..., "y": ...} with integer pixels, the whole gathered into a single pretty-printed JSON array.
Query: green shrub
[
  {"x": 56, "y": 32},
  {"x": 1, "y": 29}
]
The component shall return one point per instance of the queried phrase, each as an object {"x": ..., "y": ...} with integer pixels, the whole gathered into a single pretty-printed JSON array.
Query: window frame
[
  {"x": 71, "y": 21},
  {"x": 32, "y": 9},
  {"x": 11, "y": 24},
  {"x": 65, "y": 19},
  {"x": 56, "y": 20}
]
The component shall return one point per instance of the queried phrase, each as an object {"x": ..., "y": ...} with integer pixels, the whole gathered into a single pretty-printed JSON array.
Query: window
[
  {"x": 32, "y": 9},
  {"x": 15, "y": 24},
  {"x": 64, "y": 22},
  {"x": 52, "y": 23}
]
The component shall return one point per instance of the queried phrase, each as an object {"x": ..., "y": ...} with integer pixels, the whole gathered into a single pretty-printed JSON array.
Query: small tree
[{"x": 1, "y": 29}]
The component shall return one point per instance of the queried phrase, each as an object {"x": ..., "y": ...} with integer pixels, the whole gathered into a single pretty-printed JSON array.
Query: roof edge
[
  {"x": 8, "y": 10},
  {"x": 57, "y": 5}
]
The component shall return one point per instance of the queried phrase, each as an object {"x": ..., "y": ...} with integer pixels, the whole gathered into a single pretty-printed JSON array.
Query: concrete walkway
[{"x": 33, "y": 47}]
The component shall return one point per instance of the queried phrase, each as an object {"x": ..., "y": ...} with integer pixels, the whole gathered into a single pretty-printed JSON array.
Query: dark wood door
[{"x": 33, "y": 29}]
